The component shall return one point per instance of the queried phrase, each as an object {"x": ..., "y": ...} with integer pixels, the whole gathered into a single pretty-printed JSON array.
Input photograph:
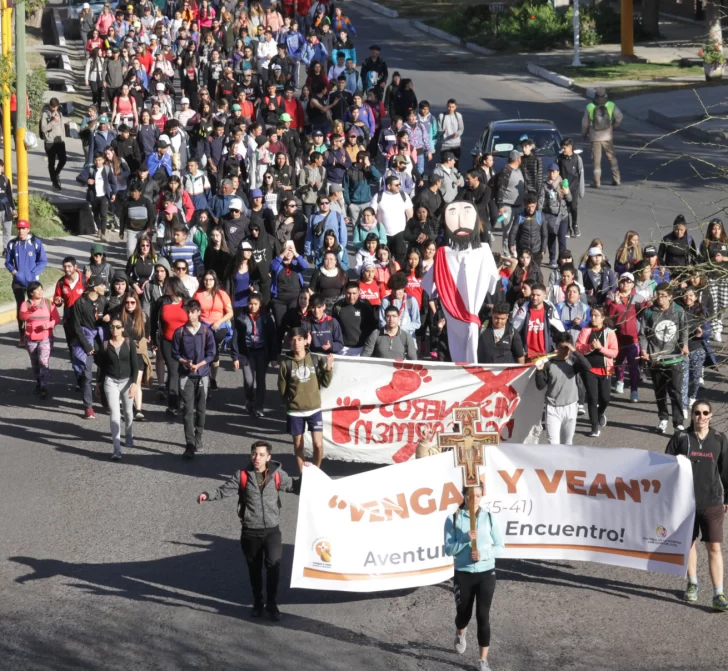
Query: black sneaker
[
  {"x": 576, "y": 233},
  {"x": 258, "y": 610},
  {"x": 172, "y": 412},
  {"x": 273, "y": 612},
  {"x": 43, "y": 394},
  {"x": 189, "y": 452},
  {"x": 37, "y": 388}
]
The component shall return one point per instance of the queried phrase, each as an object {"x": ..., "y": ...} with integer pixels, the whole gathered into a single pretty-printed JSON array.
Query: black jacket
[
  {"x": 507, "y": 350},
  {"x": 243, "y": 336},
  {"x": 357, "y": 321},
  {"x": 415, "y": 228},
  {"x": 677, "y": 252},
  {"x": 122, "y": 365},
  {"x": 532, "y": 169},
  {"x": 432, "y": 201}
]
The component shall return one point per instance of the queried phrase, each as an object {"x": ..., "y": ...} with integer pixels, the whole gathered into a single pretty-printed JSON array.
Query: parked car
[{"x": 501, "y": 137}]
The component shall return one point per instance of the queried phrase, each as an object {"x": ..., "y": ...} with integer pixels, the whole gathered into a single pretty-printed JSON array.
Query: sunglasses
[
  {"x": 115, "y": 327},
  {"x": 180, "y": 269},
  {"x": 130, "y": 302},
  {"x": 325, "y": 202},
  {"x": 704, "y": 413}
]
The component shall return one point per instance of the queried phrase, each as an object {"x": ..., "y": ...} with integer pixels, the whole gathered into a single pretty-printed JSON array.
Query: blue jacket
[
  {"x": 295, "y": 44},
  {"x": 243, "y": 336},
  {"x": 334, "y": 222},
  {"x": 409, "y": 317},
  {"x": 155, "y": 162},
  {"x": 109, "y": 179},
  {"x": 328, "y": 329},
  {"x": 99, "y": 143},
  {"x": 220, "y": 205},
  {"x": 336, "y": 162},
  {"x": 276, "y": 266},
  {"x": 358, "y": 184},
  {"x": 195, "y": 348},
  {"x": 457, "y": 543},
  {"x": 315, "y": 52},
  {"x": 28, "y": 257}
]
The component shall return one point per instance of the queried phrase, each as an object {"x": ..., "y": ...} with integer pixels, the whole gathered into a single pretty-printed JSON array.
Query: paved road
[{"x": 114, "y": 566}]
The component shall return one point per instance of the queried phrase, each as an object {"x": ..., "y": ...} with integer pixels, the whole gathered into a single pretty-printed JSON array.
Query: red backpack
[{"x": 243, "y": 484}]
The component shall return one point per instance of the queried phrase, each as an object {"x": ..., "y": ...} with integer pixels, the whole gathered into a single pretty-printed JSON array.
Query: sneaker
[
  {"x": 483, "y": 665},
  {"x": 36, "y": 390},
  {"x": 460, "y": 643},
  {"x": 701, "y": 382},
  {"x": 257, "y": 610},
  {"x": 662, "y": 426},
  {"x": 273, "y": 612},
  {"x": 717, "y": 337},
  {"x": 581, "y": 411},
  {"x": 679, "y": 427},
  {"x": 634, "y": 397},
  {"x": 172, "y": 412},
  {"x": 594, "y": 185},
  {"x": 257, "y": 413},
  {"x": 249, "y": 409},
  {"x": 129, "y": 442},
  {"x": 553, "y": 264},
  {"x": 89, "y": 414},
  {"x": 139, "y": 416},
  {"x": 603, "y": 420},
  {"x": 595, "y": 433},
  {"x": 213, "y": 385},
  {"x": 720, "y": 603},
  {"x": 116, "y": 456},
  {"x": 616, "y": 183},
  {"x": 189, "y": 452},
  {"x": 577, "y": 232},
  {"x": 161, "y": 393},
  {"x": 619, "y": 388},
  {"x": 691, "y": 593},
  {"x": 79, "y": 385}
]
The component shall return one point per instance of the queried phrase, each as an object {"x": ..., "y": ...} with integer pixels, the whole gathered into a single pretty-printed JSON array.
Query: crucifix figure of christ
[{"x": 468, "y": 446}]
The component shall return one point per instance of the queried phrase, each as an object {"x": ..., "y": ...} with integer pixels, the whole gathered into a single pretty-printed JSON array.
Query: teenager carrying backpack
[{"x": 244, "y": 483}]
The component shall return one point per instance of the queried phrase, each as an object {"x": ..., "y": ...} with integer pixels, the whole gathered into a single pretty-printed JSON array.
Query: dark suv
[{"x": 500, "y": 137}]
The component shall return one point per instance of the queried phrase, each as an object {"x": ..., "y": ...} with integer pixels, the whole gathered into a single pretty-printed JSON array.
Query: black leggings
[
  {"x": 20, "y": 294},
  {"x": 598, "y": 391},
  {"x": 467, "y": 587},
  {"x": 172, "y": 375}
]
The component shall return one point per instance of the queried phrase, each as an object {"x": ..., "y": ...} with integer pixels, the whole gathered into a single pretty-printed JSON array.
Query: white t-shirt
[{"x": 391, "y": 210}]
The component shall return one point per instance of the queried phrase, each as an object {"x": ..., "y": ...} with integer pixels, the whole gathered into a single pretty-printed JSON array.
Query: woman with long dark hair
[
  {"x": 168, "y": 314},
  {"x": 136, "y": 327},
  {"x": 217, "y": 313},
  {"x": 714, "y": 250},
  {"x": 329, "y": 280},
  {"x": 217, "y": 254},
  {"x": 140, "y": 266},
  {"x": 243, "y": 277},
  {"x": 147, "y": 134},
  {"x": 598, "y": 343},
  {"x": 474, "y": 583}
]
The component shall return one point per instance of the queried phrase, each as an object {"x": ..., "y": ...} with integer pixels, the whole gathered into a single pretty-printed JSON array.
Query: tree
[{"x": 713, "y": 15}]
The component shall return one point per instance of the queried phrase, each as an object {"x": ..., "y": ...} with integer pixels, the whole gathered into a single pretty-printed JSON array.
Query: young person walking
[
  {"x": 40, "y": 317},
  {"x": 258, "y": 487},
  {"x": 474, "y": 570}
]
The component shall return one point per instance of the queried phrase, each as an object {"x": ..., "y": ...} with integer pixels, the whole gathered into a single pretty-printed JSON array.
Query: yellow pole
[
  {"x": 627, "y": 28},
  {"x": 7, "y": 127},
  {"x": 22, "y": 120}
]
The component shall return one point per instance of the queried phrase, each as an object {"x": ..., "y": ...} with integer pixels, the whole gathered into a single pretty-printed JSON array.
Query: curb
[
  {"x": 7, "y": 313},
  {"x": 391, "y": 13},
  {"x": 60, "y": 40},
  {"x": 552, "y": 77},
  {"x": 478, "y": 49},
  {"x": 436, "y": 32},
  {"x": 692, "y": 133}
]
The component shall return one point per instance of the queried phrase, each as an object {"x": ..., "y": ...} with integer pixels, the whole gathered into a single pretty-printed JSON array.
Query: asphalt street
[{"x": 114, "y": 566}]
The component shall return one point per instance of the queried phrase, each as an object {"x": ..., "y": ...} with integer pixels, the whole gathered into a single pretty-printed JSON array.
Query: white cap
[
  {"x": 184, "y": 101},
  {"x": 165, "y": 138},
  {"x": 626, "y": 276},
  {"x": 160, "y": 86},
  {"x": 246, "y": 245},
  {"x": 236, "y": 204},
  {"x": 596, "y": 251},
  {"x": 86, "y": 5}
]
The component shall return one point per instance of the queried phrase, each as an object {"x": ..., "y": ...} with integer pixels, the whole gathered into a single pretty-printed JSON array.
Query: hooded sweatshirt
[{"x": 300, "y": 382}]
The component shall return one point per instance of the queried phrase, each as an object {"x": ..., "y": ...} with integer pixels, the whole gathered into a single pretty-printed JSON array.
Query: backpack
[
  {"x": 402, "y": 195},
  {"x": 244, "y": 484},
  {"x": 601, "y": 118}
]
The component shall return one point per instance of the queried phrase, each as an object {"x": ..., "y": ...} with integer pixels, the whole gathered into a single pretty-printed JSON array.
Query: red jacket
[
  {"x": 295, "y": 109},
  {"x": 69, "y": 295},
  {"x": 624, "y": 315}
]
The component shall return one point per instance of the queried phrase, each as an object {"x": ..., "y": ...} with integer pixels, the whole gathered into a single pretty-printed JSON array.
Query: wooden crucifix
[{"x": 468, "y": 446}]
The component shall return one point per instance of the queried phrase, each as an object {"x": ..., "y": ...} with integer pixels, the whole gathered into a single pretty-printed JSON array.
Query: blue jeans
[{"x": 557, "y": 229}]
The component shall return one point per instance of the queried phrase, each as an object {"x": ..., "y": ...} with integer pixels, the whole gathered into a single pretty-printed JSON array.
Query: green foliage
[
  {"x": 712, "y": 53},
  {"x": 33, "y": 6},
  {"x": 534, "y": 26},
  {"x": 7, "y": 76},
  {"x": 44, "y": 219},
  {"x": 37, "y": 84}
]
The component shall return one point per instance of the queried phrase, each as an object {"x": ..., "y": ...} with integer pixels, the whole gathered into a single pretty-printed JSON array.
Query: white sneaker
[
  {"x": 483, "y": 665},
  {"x": 603, "y": 420},
  {"x": 679, "y": 427},
  {"x": 619, "y": 388},
  {"x": 662, "y": 426},
  {"x": 686, "y": 412},
  {"x": 701, "y": 382},
  {"x": 717, "y": 337},
  {"x": 691, "y": 403},
  {"x": 580, "y": 411},
  {"x": 460, "y": 643}
]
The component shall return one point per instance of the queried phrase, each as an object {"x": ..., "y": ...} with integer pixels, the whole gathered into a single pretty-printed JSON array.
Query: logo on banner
[
  {"x": 322, "y": 552},
  {"x": 401, "y": 419},
  {"x": 661, "y": 532}
]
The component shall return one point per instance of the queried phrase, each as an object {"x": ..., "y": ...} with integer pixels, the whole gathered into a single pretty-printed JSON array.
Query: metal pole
[
  {"x": 7, "y": 126},
  {"x": 22, "y": 119},
  {"x": 576, "y": 63}
]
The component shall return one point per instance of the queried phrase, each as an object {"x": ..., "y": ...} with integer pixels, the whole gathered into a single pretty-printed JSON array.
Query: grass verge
[{"x": 602, "y": 72}]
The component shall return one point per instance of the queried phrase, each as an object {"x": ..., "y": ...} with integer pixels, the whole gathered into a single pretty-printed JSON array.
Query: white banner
[
  {"x": 376, "y": 410},
  {"x": 384, "y": 529}
]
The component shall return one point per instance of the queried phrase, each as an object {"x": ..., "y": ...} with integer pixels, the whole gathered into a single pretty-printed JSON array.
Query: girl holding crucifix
[{"x": 474, "y": 552}]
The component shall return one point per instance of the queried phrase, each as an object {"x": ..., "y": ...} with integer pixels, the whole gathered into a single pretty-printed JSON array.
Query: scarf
[{"x": 448, "y": 291}]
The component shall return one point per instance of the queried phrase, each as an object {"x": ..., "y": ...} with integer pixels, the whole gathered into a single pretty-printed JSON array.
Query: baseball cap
[
  {"x": 184, "y": 101},
  {"x": 236, "y": 204},
  {"x": 276, "y": 67},
  {"x": 353, "y": 133},
  {"x": 650, "y": 250},
  {"x": 448, "y": 156},
  {"x": 554, "y": 166},
  {"x": 236, "y": 107},
  {"x": 86, "y": 5},
  {"x": 162, "y": 143},
  {"x": 256, "y": 193},
  {"x": 596, "y": 251},
  {"x": 514, "y": 155},
  {"x": 22, "y": 223},
  {"x": 285, "y": 117},
  {"x": 94, "y": 282},
  {"x": 318, "y": 133},
  {"x": 626, "y": 276},
  {"x": 160, "y": 86},
  {"x": 171, "y": 208},
  {"x": 246, "y": 245},
  {"x": 103, "y": 119},
  {"x": 96, "y": 249}
]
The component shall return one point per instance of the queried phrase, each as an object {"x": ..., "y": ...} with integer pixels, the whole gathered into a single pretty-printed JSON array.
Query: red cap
[{"x": 22, "y": 223}]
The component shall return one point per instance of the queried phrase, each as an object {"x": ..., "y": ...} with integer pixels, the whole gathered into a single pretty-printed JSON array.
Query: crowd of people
[{"x": 280, "y": 201}]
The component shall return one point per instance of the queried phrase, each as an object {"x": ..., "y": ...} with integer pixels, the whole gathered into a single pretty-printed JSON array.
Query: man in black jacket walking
[
  {"x": 707, "y": 450},
  {"x": 257, "y": 488},
  {"x": 499, "y": 342}
]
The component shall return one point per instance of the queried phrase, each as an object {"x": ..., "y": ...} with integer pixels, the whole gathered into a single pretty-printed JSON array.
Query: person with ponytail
[{"x": 474, "y": 569}]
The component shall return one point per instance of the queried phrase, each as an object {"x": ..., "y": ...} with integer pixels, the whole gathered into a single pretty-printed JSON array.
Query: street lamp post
[
  {"x": 576, "y": 63},
  {"x": 22, "y": 120}
]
